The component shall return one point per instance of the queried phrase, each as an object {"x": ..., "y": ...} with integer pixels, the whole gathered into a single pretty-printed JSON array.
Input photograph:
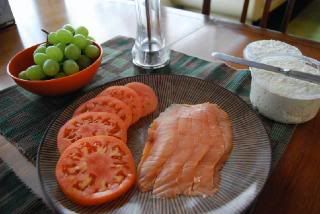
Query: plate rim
[{"x": 58, "y": 209}]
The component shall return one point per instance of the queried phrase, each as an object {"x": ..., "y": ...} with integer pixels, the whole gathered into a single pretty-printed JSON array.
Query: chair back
[{"x": 206, "y": 7}]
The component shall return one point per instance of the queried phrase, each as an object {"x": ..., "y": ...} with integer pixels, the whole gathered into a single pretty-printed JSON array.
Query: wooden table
[{"x": 293, "y": 187}]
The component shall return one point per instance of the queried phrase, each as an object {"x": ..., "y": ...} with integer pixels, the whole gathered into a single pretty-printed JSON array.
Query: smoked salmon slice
[
  {"x": 206, "y": 179},
  {"x": 186, "y": 147},
  {"x": 159, "y": 147}
]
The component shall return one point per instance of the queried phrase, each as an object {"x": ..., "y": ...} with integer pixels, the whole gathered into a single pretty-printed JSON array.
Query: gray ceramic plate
[{"x": 242, "y": 177}]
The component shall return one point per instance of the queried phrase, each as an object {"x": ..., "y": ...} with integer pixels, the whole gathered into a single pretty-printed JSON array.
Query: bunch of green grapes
[{"x": 67, "y": 51}]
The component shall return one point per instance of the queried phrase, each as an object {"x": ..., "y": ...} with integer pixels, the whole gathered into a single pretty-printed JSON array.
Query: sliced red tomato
[
  {"x": 91, "y": 124},
  {"x": 128, "y": 96},
  {"x": 147, "y": 95},
  {"x": 107, "y": 104},
  {"x": 95, "y": 170}
]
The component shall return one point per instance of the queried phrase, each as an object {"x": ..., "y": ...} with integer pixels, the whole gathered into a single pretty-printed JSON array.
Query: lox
[{"x": 187, "y": 146}]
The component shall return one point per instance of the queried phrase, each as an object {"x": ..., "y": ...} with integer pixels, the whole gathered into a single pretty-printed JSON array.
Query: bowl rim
[{"x": 50, "y": 80}]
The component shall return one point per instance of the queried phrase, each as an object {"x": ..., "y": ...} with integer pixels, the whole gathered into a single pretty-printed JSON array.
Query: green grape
[
  {"x": 23, "y": 75},
  {"x": 43, "y": 45},
  {"x": 54, "y": 53},
  {"x": 61, "y": 45},
  {"x": 84, "y": 61},
  {"x": 91, "y": 38},
  {"x": 40, "y": 49},
  {"x": 92, "y": 51},
  {"x": 64, "y": 36},
  {"x": 50, "y": 67},
  {"x": 72, "y": 52},
  {"x": 35, "y": 72},
  {"x": 70, "y": 67},
  {"x": 59, "y": 75},
  {"x": 90, "y": 42},
  {"x": 39, "y": 58},
  {"x": 52, "y": 38},
  {"x": 82, "y": 30},
  {"x": 80, "y": 41},
  {"x": 69, "y": 27}
]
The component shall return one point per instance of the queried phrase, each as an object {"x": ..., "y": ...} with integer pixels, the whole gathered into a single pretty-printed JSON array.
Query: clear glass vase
[{"x": 149, "y": 50}]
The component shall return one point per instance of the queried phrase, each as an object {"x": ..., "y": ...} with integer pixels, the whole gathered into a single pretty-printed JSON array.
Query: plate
[{"x": 242, "y": 177}]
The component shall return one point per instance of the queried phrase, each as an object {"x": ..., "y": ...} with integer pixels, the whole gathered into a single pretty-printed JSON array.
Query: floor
[{"x": 307, "y": 23}]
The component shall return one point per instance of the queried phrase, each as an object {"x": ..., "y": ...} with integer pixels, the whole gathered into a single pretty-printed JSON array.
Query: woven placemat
[
  {"x": 24, "y": 117},
  {"x": 15, "y": 196}
]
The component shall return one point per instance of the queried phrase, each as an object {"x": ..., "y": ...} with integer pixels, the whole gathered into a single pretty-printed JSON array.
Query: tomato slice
[
  {"x": 107, "y": 104},
  {"x": 91, "y": 124},
  {"x": 95, "y": 170},
  {"x": 128, "y": 96},
  {"x": 147, "y": 95}
]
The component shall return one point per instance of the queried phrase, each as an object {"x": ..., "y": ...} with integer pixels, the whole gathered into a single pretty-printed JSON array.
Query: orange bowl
[{"x": 22, "y": 60}]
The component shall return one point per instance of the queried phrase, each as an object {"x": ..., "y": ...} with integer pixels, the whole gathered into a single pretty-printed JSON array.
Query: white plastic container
[
  {"x": 282, "y": 98},
  {"x": 260, "y": 49}
]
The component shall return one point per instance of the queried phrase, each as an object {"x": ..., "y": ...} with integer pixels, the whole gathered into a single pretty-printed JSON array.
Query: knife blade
[{"x": 287, "y": 72}]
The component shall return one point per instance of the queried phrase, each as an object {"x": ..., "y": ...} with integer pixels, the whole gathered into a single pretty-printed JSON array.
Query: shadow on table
[{"x": 164, "y": 70}]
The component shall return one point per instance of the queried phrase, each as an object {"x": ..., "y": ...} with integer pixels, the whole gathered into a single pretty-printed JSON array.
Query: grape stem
[{"x": 47, "y": 33}]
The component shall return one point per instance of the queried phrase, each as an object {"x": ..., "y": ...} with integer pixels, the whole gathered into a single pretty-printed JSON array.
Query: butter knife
[{"x": 287, "y": 72}]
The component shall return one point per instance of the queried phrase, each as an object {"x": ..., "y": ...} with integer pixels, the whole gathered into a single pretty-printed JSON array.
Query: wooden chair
[{"x": 264, "y": 21}]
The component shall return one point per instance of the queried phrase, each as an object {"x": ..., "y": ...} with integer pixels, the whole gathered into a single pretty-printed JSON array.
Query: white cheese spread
[
  {"x": 282, "y": 98},
  {"x": 260, "y": 49}
]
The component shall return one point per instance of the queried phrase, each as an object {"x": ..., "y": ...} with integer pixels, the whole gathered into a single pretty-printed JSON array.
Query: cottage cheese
[
  {"x": 258, "y": 50},
  {"x": 282, "y": 98}
]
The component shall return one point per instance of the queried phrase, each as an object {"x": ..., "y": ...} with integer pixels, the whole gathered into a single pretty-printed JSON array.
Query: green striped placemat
[
  {"x": 24, "y": 117},
  {"x": 15, "y": 196}
]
